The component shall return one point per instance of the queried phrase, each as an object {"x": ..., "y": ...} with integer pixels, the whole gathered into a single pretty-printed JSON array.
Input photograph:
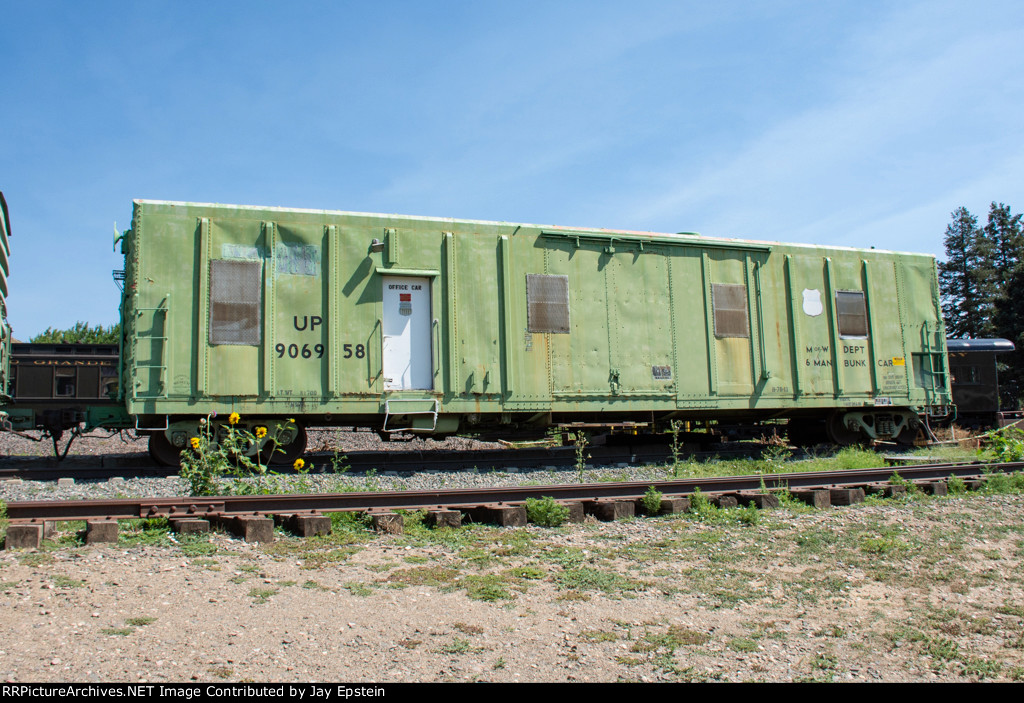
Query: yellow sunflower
[
  {"x": 195, "y": 443},
  {"x": 299, "y": 463},
  {"x": 261, "y": 432},
  {"x": 233, "y": 418}
]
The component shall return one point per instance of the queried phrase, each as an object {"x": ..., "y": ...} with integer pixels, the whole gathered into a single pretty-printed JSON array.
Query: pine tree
[
  {"x": 1009, "y": 324},
  {"x": 965, "y": 278},
  {"x": 1003, "y": 231},
  {"x": 1006, "y": 233}
]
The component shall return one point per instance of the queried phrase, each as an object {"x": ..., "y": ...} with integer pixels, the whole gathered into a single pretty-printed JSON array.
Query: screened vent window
[
  {"x": 235, "y": 302},
  {"x": 547, "y": 303},
  {"x": 852, "y": 313},
  {"x": 729, "y": 301}
]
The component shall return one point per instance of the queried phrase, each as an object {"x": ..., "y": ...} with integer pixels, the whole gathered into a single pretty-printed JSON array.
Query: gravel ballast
[{"x": 925, "y": 590}]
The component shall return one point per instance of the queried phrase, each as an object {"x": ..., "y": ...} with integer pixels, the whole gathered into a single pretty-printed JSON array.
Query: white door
[{"x": 406, "y": 353}]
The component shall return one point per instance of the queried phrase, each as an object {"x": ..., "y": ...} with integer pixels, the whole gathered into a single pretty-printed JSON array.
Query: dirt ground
[{"x": 924, "y": 590}]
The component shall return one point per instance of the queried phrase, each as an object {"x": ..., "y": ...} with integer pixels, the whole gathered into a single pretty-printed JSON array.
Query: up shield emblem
[{"x": 812, "y": 302}]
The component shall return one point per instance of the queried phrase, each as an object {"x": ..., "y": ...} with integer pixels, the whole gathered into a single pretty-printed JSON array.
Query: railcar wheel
[
  {"x": 162, "y": 451},
  {"x": 839, "y": 433},
  {"x": 287, "y": 453}
]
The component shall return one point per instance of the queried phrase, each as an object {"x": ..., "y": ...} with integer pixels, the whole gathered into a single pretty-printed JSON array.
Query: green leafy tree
[{"x": 81, "y": 333}]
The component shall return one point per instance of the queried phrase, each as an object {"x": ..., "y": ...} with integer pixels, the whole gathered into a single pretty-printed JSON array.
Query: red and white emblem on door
[{"x": 405, "y": 303}]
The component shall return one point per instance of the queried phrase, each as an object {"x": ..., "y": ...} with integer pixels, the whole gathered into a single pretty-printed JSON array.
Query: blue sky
[{"x": 847, "y": 123}]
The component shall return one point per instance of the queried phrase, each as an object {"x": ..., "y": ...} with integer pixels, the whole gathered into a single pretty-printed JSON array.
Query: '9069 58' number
[{"x": 294, "y": 351}]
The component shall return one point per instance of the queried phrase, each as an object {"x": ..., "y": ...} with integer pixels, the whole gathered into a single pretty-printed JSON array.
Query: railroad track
[
  {"x": 99, "y": 468},
  {"x": 253, "y": 517}
]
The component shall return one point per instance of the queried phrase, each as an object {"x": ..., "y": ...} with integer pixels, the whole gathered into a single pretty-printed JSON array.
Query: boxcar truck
[{"x": 436, "y": 326}]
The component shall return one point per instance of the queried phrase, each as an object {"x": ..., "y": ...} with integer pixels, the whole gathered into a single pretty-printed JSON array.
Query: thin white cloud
[{"x": 934, "y": 113}]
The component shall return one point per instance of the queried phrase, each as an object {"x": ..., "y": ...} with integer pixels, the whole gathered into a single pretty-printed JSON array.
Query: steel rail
[{"x": 196, "y": 506}]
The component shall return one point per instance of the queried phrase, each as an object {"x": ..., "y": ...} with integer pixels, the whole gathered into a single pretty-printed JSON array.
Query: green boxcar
[{"x": 439, "y": 326}]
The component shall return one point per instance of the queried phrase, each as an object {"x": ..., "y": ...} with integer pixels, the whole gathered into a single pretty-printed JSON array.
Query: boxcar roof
[{"x": 694, "y": 237}]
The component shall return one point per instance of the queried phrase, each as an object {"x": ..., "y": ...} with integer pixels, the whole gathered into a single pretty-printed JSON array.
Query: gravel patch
[{"x": 929, "y": 590}]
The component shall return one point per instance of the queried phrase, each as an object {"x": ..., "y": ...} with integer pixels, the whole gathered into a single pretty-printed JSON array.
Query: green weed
[
  {"x": 456, "y": 646},
  {"x": 1005, "y": 445},
  {"x": 437, "y": 576},
  {"x": 355, "y": 588},
  {"x": 546, "y": 512},
  {"x": 743, "y": 644},
  {"x": 196, "y": 545},
  {"x": 700, "y": 505},
  {"x": 676, "y": 447},
  {"x": 586, "y": 578},
  {"x": 531, "y": 573},
  {"x": 488, "y": 588},
  {"x": 581, "y": 440},
  {"x": 262, "y": 595},
  {"x": 678, "y": 636},
  {"x": 882, "y": 545},
  {"x": 61, "y": 581},
  {"x": 141, "y": 621},
  {"x": 956, "y": 486},
  {"x": 652, "y": 501},
  {"x": 998, "y": 482}
]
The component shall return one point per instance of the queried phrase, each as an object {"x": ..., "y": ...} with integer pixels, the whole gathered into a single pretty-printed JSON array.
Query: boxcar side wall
[{"x": 277, "y": 312}]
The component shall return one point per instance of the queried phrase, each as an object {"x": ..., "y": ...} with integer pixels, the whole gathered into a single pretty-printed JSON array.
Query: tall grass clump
[
  {"x": 856, "y": 458},
  {"x": 999, "y": 482}
]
